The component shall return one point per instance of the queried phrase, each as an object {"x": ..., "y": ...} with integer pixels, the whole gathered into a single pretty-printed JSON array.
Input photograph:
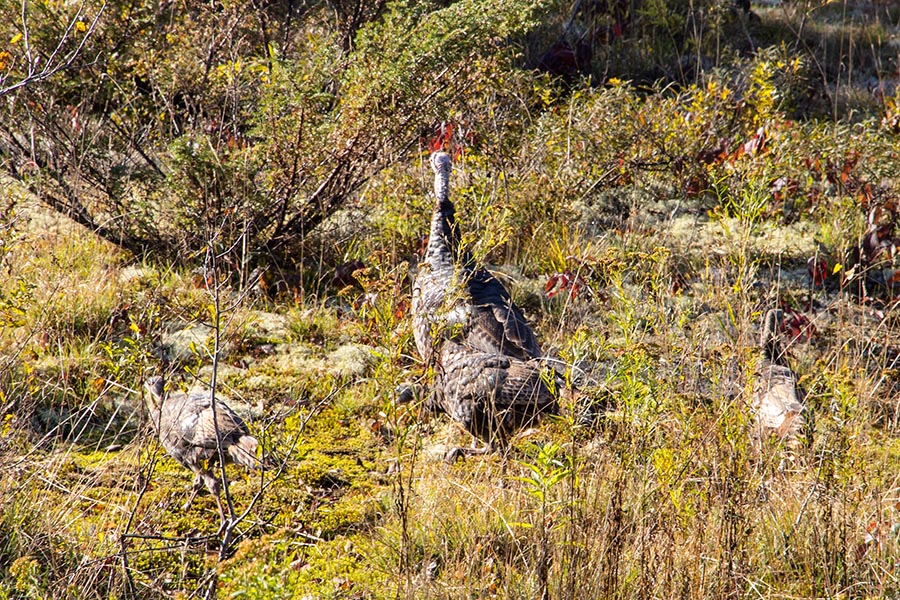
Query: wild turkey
[
  {"x": 454, "y": 300},
  {"x": 777, "y": 400},
  {"x": 490, "y": 395},
  {"x": 488, "y": 377},
  {"x": 185, "y": 426}
]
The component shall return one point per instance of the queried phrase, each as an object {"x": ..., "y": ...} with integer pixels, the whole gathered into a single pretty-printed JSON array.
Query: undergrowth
[{"x": 644, "y": 229}]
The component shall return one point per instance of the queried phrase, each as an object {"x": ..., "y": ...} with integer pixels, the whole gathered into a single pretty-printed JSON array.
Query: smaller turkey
[
  {"x": 186, "y": 426},
  {"x": 777, "y": 400},
  {"x": 491, "y": 395}
]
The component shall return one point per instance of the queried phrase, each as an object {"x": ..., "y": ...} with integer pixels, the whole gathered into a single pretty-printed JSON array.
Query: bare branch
[{"x": 54, "y": 63}]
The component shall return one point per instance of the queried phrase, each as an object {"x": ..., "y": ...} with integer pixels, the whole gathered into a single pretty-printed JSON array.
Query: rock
[
  {"x": 271, "y": 326},
  {"x": 176, "y": 346},
  {"x": 351, "y": 360}
]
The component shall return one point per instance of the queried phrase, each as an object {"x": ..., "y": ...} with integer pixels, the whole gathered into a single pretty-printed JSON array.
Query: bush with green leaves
[{"x": 240, "y": 126}]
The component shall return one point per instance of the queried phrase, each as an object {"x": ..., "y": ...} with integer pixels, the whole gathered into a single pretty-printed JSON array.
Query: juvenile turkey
[
  {"x": 777, "y": 400},
  {"x": 452, "y": 299},
  {"x": 488, "y": 374},
  {"x": 186, "y": 429}
]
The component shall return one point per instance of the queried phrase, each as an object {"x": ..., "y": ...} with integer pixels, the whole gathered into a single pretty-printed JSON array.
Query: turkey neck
[
  {"x": 769, "y": 339},
  {"x": 154, "y": 408},
  {"x": 443, "y": 241}
]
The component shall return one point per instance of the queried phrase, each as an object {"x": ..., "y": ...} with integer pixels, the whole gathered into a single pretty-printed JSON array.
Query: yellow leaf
[
  {"x": 837, "y": 269},
  {"x": 80, "y": 26},
  {"x": 16, "y": 39}
]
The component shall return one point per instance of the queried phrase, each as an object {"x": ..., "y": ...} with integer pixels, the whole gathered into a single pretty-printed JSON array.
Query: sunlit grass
[{"x": 662, "y": 211}]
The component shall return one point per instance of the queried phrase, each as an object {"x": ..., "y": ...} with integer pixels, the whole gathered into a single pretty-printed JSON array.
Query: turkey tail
[{"x": 243, "y": 452}]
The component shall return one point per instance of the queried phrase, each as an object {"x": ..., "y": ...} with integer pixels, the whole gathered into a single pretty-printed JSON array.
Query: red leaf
[
  {"x": 551, "y": 283},
  {"x": 797, "y": 325},
  {"x": 818, "y": 270},
  {"x": 442, "y": 137},
  {"x": 566, "y": 281},
  {"x": 756, "y": 144}
]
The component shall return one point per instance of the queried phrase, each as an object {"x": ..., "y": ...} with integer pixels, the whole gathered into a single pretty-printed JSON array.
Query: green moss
[
  {"x": 318, "y": 325},
  {"x": 167, "y": 566},
  {"x": 352, "y": 512},
  {"x": 291, "y": 569}
]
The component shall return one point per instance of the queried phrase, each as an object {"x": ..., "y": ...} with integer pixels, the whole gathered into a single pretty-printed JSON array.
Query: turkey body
[
  {"x": 489, "y": 394},
  {"x": 487, "y": 374},
  {"x": 454, "y": 300},
  {"x": 186, "y": 428},
  {"x": 778, "y": 402}
]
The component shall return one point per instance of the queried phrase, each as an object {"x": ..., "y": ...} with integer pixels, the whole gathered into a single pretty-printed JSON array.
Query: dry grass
[{"x": 664, "y": 203}]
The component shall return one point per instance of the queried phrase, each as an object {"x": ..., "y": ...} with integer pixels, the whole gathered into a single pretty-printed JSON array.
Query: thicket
[
  {"x": 165, "y": 126},
  {"x": 247, "y": 124},
  {"x": 651, "y": 175}
]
